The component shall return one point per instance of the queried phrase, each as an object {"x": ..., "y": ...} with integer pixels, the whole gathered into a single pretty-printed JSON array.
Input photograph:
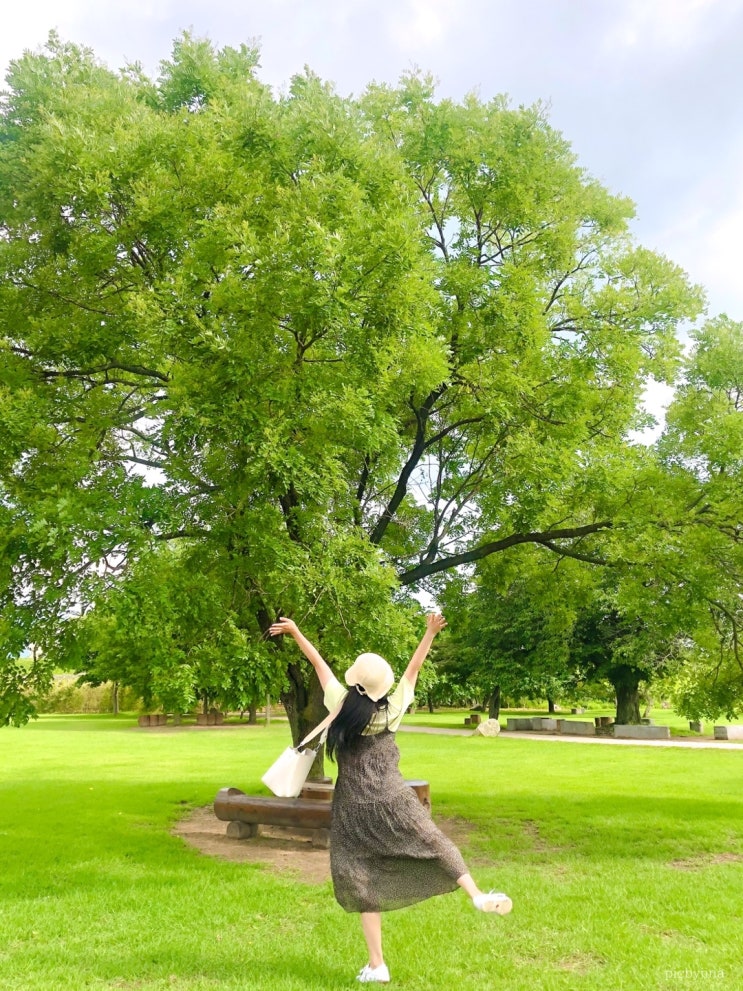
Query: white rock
[{"x": 491, "y": 727}]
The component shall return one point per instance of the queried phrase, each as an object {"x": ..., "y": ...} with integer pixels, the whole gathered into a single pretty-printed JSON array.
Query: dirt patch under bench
[{"x": 278, "y": 848}]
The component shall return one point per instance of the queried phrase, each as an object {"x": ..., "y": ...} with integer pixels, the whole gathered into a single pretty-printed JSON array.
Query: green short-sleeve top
[{"x": 387, "y": 719}]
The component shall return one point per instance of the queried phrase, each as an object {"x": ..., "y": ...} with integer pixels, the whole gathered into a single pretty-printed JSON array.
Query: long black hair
[{"x": 356, "y": 713}]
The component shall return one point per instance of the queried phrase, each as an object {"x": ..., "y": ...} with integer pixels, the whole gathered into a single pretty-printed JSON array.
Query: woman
[{"x": 385, "y": 851}]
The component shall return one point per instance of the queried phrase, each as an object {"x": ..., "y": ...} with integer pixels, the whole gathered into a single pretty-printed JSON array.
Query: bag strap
[{"x": 322, "y": 727}]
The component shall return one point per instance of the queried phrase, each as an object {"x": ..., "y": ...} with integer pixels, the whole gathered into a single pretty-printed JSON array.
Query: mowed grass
[{"x": 625, "y": 866}]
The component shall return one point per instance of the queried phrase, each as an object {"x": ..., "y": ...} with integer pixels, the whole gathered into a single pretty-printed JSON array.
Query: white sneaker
[
  {"x": 371, "y": 975},
  {"x": 493, "y": 901}
]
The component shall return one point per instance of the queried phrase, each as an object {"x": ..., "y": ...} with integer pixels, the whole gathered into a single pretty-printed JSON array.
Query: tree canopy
[{"x": 330, "y": 348}]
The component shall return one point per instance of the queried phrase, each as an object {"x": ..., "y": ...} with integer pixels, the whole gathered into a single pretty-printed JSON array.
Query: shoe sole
[{"x": 501, "y": 907}]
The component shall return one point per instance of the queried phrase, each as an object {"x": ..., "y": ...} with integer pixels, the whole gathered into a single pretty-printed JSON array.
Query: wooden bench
[{"x": 245, "y": 814}]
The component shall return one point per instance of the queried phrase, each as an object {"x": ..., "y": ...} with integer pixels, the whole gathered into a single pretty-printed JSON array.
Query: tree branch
[
  {"x": 103, "y": 369},
  {"x": 569, "y": 552},
  {"x": 494, "y": 546},
  {"x": 419, "y": 446}
]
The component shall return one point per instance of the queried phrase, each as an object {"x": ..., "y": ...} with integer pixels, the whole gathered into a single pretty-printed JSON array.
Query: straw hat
[{"x": 371, "y": 675}]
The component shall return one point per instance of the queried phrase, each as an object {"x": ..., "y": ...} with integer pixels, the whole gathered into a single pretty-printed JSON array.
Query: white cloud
[
  {"x": 719, "y": 259},
  {"x": 420, "y": 23},
  {"x": 706, "y": 234},
  {"x": 667, "y": 24},
  {"x": 103, "y": 24}
]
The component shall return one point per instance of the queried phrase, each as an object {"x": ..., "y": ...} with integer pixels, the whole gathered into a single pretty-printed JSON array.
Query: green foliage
[
  {"x": 167, "y": 631},
  {"x": 335, "y": 347},
  {"x": 18, "y": 683},
  {"x": 702, "y": 550},
  {"x": 511, "y": 627}
]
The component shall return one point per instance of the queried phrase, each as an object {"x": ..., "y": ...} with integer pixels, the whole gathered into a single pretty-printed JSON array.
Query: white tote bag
[{"x": 288, "y": 773}]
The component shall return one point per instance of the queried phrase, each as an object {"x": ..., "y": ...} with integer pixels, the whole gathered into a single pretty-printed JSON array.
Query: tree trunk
[
  {"x": 115, "y": 697},
  {"x": 302, "y": 701},
  {"x": 305, "y": 709},
  {"x": 626, "y": 681},
  {"x": 494, "y": 703},
  {"x": 430, "y": 704},
  {"x": 252, "y": 715},
  {"x": 550, "y": 705}
]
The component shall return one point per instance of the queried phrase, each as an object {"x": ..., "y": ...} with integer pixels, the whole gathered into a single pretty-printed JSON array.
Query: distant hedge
[{"x": 66, "y": 696}]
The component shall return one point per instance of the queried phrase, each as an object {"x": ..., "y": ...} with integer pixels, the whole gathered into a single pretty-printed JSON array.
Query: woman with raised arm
[{"x": 385, "y": 851}]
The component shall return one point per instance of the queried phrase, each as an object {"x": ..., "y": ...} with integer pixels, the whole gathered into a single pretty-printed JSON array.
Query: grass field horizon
[{"x": 625, "y": 866}]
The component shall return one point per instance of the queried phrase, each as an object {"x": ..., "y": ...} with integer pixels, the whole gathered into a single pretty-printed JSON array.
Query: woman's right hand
[{"x": 283, "y": 625}]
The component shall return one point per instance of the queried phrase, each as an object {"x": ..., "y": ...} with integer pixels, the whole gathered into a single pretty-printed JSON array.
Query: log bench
[{"x": 245, "y": 814}]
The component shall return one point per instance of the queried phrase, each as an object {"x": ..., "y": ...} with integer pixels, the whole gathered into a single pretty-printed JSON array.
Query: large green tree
[
  {"x": 340, "y": 346},
  {"x": 661, "y": 597},
  {"x": 701, "y": 451}
]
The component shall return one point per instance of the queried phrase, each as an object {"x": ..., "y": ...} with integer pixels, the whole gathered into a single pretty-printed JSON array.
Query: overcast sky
[{"x": 647, "y": 91}]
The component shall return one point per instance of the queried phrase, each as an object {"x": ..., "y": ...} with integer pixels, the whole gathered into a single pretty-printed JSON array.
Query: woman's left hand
[{"x": 435, "y": 622}]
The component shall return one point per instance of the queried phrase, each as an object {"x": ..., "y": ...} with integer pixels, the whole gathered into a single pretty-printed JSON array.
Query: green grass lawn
[{"x": 625, "y": 866}]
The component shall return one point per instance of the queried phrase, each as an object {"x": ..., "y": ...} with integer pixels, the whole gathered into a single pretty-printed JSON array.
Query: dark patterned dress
[{"x": 385, "y": 851}]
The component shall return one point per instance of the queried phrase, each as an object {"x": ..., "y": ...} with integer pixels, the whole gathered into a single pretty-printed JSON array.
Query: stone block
[
  {"x": 518, "y": 725},
  {"x": 729, "y": 732},
  {"x": 696, "y": 726},
  {"x": 544, "y": 725},
  {"x": 633, "y": 732},
  {"x": 491, "y": 727},
  {"x": 575, "y": 727}
]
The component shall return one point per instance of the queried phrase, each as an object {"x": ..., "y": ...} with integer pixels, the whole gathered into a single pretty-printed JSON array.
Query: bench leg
[{"x": 237, "y": 830}]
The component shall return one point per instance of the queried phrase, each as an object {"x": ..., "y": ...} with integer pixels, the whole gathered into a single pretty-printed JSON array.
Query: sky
[{"x": 648, "y": 92}]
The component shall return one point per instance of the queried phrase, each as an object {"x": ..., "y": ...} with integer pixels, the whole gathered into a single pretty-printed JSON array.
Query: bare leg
[
  {"x": 467, "y": 883},
  {"x": 371, "y": 923},
  {"x": 493, "y": 902}
]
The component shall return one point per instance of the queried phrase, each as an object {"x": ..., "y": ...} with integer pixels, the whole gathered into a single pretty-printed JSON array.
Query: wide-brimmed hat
[{"x": 371, "y": 675}]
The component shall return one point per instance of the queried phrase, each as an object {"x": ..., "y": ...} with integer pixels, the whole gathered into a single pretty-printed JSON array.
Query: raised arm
[
  {"x": 435, "y": 622},
  {"x": 285, "y": 625}
]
